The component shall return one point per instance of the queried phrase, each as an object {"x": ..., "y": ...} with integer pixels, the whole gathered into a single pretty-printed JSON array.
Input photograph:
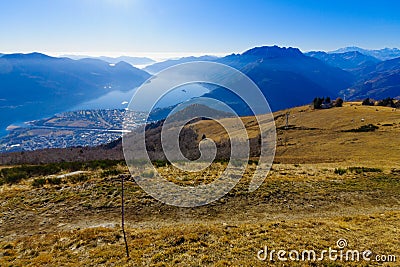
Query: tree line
[{"x": 326, "y": 102}]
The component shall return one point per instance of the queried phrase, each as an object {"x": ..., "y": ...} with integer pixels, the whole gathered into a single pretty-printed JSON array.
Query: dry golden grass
[
  {"x": 317, "y": 136},
  {"x": 206, "y": 244},
  {"x": 185, "y": 178},
  {"x": 309, "y": 200},
  {"x": 298, "y": 207}
]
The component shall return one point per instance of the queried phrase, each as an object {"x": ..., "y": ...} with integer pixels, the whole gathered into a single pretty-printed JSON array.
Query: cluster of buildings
[{"x": 72, "y": 129}]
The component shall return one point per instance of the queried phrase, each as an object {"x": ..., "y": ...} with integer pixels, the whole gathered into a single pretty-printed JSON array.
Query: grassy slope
[
  {"x": 303, "y": 204},
  {"x": 318, "y": 135}
]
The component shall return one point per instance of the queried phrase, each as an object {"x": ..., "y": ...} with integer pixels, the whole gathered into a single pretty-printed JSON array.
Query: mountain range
[
  {"x": 36, "y": 85},
  {"x": 134, "y": 61},
  {"x": 377, "y": 81},
  {"x": 286, "y": 76},
  {"x": 349, "y": 61},
  {"x": 381, "y": 54},
  {"x": 282, "y": 72},
  {"x": 376, "y": 72}
]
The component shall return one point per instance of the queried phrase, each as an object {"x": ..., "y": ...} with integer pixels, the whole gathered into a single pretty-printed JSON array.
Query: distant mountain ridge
[
  {"x": 379, "y": 81},
  {"x": 349, "y": 61},
  {"x": 375, "y": 77},
  {"x": 382, "y": 54},
  {"x": 134, "y": 61},
  {"x": 157, "y": 67},
  {"x": 268, "y": 52}
]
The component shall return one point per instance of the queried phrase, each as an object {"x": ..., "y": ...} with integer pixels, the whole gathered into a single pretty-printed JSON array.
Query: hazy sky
[{"x": 140, "y": 27}]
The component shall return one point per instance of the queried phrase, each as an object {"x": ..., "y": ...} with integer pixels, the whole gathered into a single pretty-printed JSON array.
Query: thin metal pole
[{"x": 123, "y": 216}]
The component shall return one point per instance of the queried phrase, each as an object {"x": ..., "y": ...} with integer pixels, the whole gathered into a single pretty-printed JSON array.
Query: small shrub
[
  {"x": 14, "y": 176},
  {"x": 251, "y": 162},
  {"x": 317, "y": 102},
  {"x": 39, "y": 182},
  {"x": 221, "y": 160},
  {"x": 368, "y": 102},
  {"x": 372, "y": 169},
  {"x": 395, "y": 171},
  {"x": 340, "y": 171},
  {"x": 324, "y": 102},
  {"x": 363, "y": 169},
  {"x": 357, "y": 170},
  {"x": 364, "y": 128},
  {"x": 8, "y": 246},
  {"x": 339, "y": 102},
  {"x": 387, "y": 102}
]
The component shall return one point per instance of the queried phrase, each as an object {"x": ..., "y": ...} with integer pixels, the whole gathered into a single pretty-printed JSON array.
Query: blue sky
[{"x": 148, "y": 27}]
